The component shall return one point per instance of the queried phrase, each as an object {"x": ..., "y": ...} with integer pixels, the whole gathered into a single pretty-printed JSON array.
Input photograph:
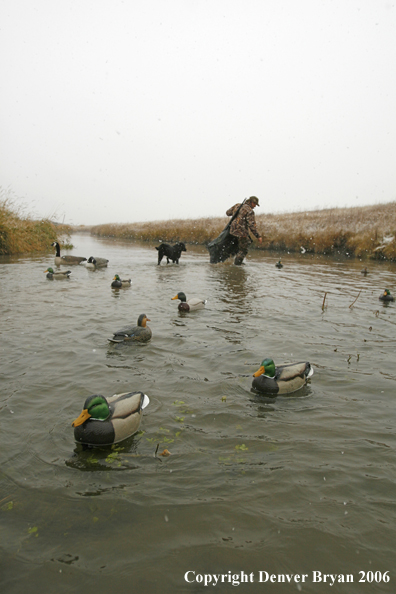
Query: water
[{"x": 290, "y": 485}]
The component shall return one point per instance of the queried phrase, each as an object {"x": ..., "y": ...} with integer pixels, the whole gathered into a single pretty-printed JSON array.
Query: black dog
[{"x": 171, "y": 252}]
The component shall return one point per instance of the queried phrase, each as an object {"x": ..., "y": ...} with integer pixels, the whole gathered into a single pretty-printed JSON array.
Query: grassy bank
[
  {"x": 21, "y": 234},
  {"x": 367, "y": 231}
]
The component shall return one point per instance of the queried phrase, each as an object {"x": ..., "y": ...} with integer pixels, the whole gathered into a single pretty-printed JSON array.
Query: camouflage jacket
[{"x": 244, "y": 222}]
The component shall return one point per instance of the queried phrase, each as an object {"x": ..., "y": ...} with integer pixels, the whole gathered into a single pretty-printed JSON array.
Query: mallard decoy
[
  {"x": 58, "y": 274},
  {"x": 139, "y": 333},
  {"x": 118, "y": 283},
  {"x": 283, "y": 379},
  {"x": 105, "y": 421},
  {"x": 190, "y": 305},
  {"x": 279, "y": 264},
  {"x": 386, "y": 296},
  {"x": 96, "y": 262},
  {"x": 67, "y": 260}
]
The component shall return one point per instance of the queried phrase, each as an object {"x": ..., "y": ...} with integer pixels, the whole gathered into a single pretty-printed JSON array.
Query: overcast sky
[{"x": 135, "y": 110}]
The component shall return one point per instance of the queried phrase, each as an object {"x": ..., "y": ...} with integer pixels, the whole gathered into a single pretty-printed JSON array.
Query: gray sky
[{"x": 135, "y": 110}]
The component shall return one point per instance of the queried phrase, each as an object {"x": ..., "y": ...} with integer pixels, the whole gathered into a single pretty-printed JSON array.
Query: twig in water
[
  {"x": 323, "y": 304},
  {"x": 356, "y": 298},
  {"x": 156, "y": 450},
  {"x": 1, "y": 500}
]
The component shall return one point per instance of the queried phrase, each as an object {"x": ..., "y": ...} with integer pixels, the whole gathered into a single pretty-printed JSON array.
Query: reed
[
  {"x": 364, "y": 232},
  {"x": 198, "y": 231},
  {"x": 19, "y": 233}
]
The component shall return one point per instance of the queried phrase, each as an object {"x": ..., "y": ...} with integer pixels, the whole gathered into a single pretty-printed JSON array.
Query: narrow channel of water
[{"x": 293, "y": 484}]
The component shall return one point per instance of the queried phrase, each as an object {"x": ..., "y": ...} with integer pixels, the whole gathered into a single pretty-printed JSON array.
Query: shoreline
[
  {"x": 367, "y": 232},
  {"x": 21, "y": 233}
]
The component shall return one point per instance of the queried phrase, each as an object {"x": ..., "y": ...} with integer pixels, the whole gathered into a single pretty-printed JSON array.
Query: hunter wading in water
[{"x": 244, "y": 223}]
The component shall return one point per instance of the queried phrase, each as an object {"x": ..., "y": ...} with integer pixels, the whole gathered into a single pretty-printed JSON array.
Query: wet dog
[{"x": 171, "y": 252}]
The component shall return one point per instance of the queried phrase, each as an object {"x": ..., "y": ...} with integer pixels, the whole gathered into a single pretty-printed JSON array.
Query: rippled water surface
[{"x": 293, "y": 484}]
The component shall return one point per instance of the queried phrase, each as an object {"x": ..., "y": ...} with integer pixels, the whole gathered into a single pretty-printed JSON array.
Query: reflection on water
[
  {"x": 286, "y": 485},
  {"x": 114, "y": 458},
  {"x": 234, "y": 284}
]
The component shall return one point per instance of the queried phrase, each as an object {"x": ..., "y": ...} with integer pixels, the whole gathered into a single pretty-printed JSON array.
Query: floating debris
[{"x": 353, "y": 302}]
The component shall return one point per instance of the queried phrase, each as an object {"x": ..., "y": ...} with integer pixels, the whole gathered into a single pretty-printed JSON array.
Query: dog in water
[{"x": 171, "y": 252}]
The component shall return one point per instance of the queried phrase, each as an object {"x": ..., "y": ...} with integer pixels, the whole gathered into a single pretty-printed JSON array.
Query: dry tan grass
[
  {"x": 20, "y": 234},
  {"x": 199, "y": 231},
  {"x": 361, "y": 231}
]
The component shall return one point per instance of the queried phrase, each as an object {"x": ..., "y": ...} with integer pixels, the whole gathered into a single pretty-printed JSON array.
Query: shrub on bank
[{"x": 19, "y": 233}]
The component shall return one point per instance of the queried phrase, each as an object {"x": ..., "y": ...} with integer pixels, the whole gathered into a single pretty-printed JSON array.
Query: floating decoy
[
  {"x": 67, "y": 260},
  {"x": 386, "y": 296},
  {"x": 118, "y": 282},
  {"x": 279, "y": 264},
  {"x": 96, "y": 262},
  {"x": 58, "y": 274},
  {"x": 139, "y": 333},
  {"x": 105, "y": 421},
  {"x": 190, "y": 305},
  {"x": 283, "y": 379}
]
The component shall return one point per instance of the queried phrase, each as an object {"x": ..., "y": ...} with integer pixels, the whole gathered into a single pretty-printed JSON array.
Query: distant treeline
[
  {"x": 19, "y": 233},
  {"x": 362, "y": 231}
]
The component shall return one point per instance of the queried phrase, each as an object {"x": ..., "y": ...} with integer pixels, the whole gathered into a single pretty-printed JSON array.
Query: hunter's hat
[{"x": 254, "y": 200}]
